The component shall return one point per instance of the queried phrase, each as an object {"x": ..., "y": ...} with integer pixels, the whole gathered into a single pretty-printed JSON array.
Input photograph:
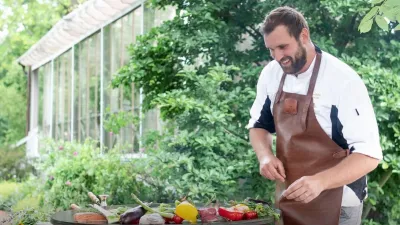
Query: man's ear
[{"x": 304, "y": 36}]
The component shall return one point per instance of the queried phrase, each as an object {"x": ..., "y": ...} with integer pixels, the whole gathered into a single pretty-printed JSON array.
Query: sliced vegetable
[
  {"x": 89, "y": 217},
  {"x": 250, "y": 215},
  {"x": 230, "y": 214},
  {"x": 241, "y": 208},
  {"x": 187, "y": 211}
]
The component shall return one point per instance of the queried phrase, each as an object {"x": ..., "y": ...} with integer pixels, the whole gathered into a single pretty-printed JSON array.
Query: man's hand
[
  {"x": 272, "y": 168},
  {"x": 304, "y": 189}
]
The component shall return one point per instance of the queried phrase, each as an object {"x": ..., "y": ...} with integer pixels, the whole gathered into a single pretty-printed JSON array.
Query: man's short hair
[{"x": 287, "y": 16}]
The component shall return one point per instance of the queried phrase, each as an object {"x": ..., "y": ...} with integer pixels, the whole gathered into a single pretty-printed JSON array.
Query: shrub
[{"x": 69, "y": 171}]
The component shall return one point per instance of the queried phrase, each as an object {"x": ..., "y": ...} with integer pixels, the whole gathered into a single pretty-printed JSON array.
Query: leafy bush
[
  {"x": 14, "y": 165},
  {"x": 7, "y": 193},
  {"x": 70, "y": 171},
  {"x": 205, "y": 155},
  {"x": 383, "y": 86}
]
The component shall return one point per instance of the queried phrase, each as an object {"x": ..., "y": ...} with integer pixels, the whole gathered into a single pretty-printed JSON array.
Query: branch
[
  {"x": 351, "y": 26},
  {"x": 27, "y": 30},
  {"x": 382, "y": 182},
  {"x": 243, "y": 140},
  {"x": 253, "y": 35}
]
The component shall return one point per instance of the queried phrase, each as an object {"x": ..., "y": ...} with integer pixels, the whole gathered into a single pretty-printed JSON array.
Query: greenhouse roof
[{"x": 74, "y": 27}]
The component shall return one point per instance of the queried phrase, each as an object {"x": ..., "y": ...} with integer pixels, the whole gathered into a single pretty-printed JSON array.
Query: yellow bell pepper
[{"x": 187, "y": 211}]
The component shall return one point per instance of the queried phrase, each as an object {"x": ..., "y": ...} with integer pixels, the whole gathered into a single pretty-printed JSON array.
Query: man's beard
[{"x": 296, "y": 64}]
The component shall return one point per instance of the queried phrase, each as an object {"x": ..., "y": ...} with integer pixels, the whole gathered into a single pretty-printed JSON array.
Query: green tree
[
  {"x": 385, "y": 13},
  {"x": 23, "y": 23}
]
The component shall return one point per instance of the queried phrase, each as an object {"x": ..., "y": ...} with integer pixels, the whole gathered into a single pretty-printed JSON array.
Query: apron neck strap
[
  {"x": 314, "y": 76},
  {"x": 313, "y": 80},
  {"x": 310, "y": 92},
  {"x": 280, "y": 89}
]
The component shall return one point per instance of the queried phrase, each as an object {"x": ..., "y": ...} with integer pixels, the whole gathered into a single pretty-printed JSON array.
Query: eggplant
[{"x": 132, "y": 215}]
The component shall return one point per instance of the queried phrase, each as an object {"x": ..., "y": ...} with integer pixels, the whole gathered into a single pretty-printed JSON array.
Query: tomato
[{"x": 177, "y": 219}]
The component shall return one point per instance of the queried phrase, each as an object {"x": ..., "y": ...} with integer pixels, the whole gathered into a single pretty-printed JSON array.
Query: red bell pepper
[
  {"x": 230, "y": 214},
  {"x": 250, "y": 215}
]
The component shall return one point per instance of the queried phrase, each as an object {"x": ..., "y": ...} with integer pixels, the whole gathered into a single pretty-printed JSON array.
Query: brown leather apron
[{"x": 305, "y": 149}]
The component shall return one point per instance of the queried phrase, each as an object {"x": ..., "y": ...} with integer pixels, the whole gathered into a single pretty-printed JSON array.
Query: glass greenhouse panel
[
  {"x": 62, "y": 97},
  {"x": 117, "y": 37},
  {"x": 87, "y": 89},
  {"x": 45, "y": 100}
]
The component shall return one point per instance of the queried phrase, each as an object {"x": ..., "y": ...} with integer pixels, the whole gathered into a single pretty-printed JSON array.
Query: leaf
[
  {"x": 372, "y": 201},
  {"x": 374, "y": 2},
  {"x": 385, "y": 165},
  {"x": 366, "y": 22},
  {"x": 371, "y": 13},
  {"x": 392, "y": 3},
  {"x": 389, "y": 12},
  {"x": 381, "y": 22},
  {"x": 365, "y": 26}
]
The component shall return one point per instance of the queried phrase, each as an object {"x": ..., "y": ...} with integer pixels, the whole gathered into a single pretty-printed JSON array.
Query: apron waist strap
[{"x": 341, "y": 154}]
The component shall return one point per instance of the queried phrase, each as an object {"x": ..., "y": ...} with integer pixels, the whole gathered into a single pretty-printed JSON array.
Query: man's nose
[{"x": 278, "y": 55}]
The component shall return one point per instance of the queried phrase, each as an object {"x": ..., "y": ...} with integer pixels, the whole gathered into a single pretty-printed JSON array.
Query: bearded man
[{"x": 327, "y": 137}]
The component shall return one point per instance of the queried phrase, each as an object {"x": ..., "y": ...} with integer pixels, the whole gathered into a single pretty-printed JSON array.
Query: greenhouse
[{"x": 70, "y": 70}]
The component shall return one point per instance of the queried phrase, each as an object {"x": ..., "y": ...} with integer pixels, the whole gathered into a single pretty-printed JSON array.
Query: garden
[{"x": 201, "y": 72}]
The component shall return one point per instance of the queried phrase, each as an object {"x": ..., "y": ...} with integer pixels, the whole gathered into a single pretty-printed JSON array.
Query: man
[{"x": 327, "y": 137}]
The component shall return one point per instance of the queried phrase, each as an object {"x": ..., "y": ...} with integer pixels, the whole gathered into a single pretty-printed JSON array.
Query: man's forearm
[
  {"x": 261, "y": 141},
  {"x": 347, "y": 171}
]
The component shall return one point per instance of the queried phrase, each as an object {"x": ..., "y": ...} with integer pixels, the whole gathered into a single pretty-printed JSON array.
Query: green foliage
[
  {"x": 202, "y": 35},
  {"x": 31, "y": 216},
  {"x": 7, "y": 188},
  {"x": 209, "y": 158},
  {"x": 12, "y": 122},
  {"x": 385, "y": 13},
  {"x": 383, "y": 86},
  {"x": 7, "y": 192},
  {"x": 70, "y": 171},
  {"x": 115, "y": 121},
  {"x": 205, "y": 152},
  {"x": 12, "y": 193},
  {"x": 14, "y": 165},
  {"x": 23, "y": 23}
]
